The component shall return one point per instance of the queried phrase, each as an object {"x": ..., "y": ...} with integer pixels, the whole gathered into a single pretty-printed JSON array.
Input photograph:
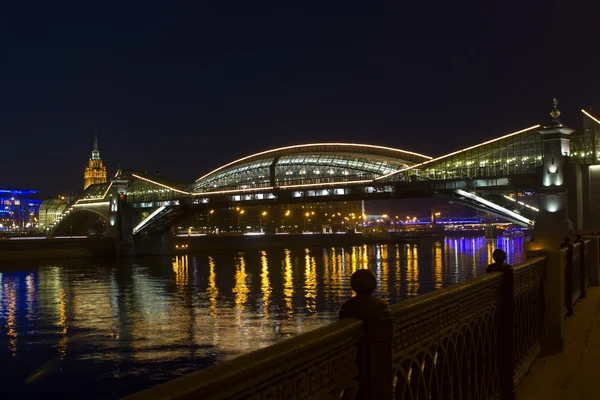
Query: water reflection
[{"x": 144, "y": 321}]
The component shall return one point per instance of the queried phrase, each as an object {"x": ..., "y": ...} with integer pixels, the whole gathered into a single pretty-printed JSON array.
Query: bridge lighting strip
[
  {"x": 103, "y": 203},
  {"x": 234, "y": 191},
  {"x": 160, "y": 184},
  {"x": 325, "y": 184},
  {"x": 494, "y": 206},
  {"x": 591, "y": 116},
  {"x": 298, "y": 146},
  {"x": 459, "y": 151},
  {"x": 144, "y": 222},
  {"x": 520, "y": 202}
]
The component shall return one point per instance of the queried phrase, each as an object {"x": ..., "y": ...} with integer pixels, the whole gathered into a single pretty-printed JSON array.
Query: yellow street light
[
  {"x": 287, "y": 213},
  {"x": 263, "y": 214}
]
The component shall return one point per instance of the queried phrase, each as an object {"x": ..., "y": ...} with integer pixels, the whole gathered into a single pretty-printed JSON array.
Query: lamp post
[
  {"x": 263, "y": 214},
  {"x": 240, "y": 212},
  {"x": 208, "y": 220},
  {"x": 287, "y": 214},
  {"x": 306, "y": 214}
]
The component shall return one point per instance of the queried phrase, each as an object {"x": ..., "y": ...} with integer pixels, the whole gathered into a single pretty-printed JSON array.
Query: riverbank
[
  {"x": 55, "y": 249},
  {"x": 192, "y": 243}
]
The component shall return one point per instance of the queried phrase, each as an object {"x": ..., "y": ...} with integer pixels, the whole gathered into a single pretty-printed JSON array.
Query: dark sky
[{"x": 185, "y": 86}]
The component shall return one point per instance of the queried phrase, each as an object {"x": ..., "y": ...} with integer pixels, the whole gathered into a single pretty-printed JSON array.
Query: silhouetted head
[
  {"x": 579, "y": 237},
  {"x": 499, "y": 256},
  {"x": 567, "y": 239},
  {"x": 363, "y": 281}
]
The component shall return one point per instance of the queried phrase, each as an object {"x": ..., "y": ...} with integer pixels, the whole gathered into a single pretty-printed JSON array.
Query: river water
[{"x": 93, "y": 329}]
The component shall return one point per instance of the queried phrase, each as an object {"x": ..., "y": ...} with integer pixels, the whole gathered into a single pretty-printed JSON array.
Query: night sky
[{"x": 183, "y": 87}]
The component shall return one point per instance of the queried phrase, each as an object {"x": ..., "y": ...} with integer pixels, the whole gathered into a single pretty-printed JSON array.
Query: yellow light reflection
[
  {"x": 265, "y": 284},
  {"x": 412, "y": 270},
  {"x": 288, "y": 284},
  {"x": 62, "y": 323},
  {"x": 384, "y": 272},
  {"x": 10, "y": 304},
  {"x": 310, "y": 285},
  {"x": 241, "y": 289},
  {"x": 354, "y": 259},
  {"x": 180, "y": 268},
  {"x": 212, "y": 290},
  {"x": 490, "y": 249},
  {"x": 365, "y": 257},
  {"x": 438, "y": 262}
]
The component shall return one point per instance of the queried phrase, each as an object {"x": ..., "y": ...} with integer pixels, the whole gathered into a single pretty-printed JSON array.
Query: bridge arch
[
  {"x": 82, "y": 222},
  {"x": 307, "y": 164}
]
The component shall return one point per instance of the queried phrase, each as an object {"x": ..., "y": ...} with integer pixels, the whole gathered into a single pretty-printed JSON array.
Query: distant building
[
  {"x": 49, "y": 210},
  {"x": 95, "y": 172},
  {"x": 18, "y": 211}
]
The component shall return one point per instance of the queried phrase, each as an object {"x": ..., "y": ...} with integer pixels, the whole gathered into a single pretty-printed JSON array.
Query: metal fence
[
  {"x": 474, "y": 340},
  {"x": 577, "y": 273}
]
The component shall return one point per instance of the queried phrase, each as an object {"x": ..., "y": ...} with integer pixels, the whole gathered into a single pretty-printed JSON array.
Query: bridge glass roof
[
  {"x": 307, "y": 164},
  {"x": 585, "y": 144},
  {"x": 95, "y": 192},
  {"x": 516, "y": 153}
]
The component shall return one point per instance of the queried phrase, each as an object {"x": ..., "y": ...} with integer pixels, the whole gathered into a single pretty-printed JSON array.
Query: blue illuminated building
[{"x": 18, "y": 210}]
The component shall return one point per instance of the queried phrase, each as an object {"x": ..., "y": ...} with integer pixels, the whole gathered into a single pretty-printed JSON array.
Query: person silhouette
[
  {"x": 566, "y": 242},
  {"x": 499, "y": 256}
]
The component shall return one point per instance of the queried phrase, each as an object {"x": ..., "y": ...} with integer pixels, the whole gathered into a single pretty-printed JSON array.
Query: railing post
[
  {"x": 507, "y": 330},
  {"x": 569, "y": 282},
  {"x": 375, "y": 349}
]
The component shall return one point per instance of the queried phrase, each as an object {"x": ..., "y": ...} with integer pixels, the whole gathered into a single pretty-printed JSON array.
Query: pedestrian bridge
[{"x": 479, "y": 176}]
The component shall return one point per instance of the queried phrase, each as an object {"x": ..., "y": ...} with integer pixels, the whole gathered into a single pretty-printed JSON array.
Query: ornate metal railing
[
  {"x": 576, "y": 272},
  {"x": 316, "y": 365},
  {"x": 474, "y": 340},
  {"x": 446, "y": 344},
  {"x": 528, "y": 295},
  {"x": 587, "y": 264}
]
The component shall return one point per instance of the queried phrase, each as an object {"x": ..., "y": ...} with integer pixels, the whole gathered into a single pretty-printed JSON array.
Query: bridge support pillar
[
  {"x": 159, "y": 244},
  {"x": 552, "y": 224}
]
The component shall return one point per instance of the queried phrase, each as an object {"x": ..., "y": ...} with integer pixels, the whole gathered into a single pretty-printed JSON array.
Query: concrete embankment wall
[
  {"x": 199, "y": 243},
  {"x": 49, "y": 249}
]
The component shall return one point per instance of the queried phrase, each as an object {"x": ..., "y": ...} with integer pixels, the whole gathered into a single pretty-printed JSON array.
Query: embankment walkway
[{"x": 573, "y": 374}]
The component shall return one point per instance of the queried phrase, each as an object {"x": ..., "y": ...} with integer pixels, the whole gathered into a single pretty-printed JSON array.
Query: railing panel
[
  {"x": 576, "y": 273},
  {"x": 446, "y": 344},
  {"x": 587, "y": 271},
  {"x": 529, "y": 314},
  {"x": 316, "y": 365}
]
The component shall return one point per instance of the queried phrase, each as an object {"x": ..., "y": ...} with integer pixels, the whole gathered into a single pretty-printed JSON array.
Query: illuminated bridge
[{"x": 479, "y": 176}]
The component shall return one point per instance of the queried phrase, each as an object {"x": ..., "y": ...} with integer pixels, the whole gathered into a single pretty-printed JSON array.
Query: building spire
[
  {"x": 95, "y": 153},
  {"x": 95, "y": 138}
]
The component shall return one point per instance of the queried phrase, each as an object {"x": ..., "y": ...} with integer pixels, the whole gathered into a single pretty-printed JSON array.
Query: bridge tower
[
  {"x": 557, "y": 186},
  {"x": 120, "y": 218}
]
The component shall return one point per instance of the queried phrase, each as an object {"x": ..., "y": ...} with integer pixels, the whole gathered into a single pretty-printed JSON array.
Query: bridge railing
[{"x": 474, "y": 340}]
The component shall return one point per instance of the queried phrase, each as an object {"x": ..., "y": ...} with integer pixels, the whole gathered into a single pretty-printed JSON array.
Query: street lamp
[
  {"x": 240, "y": 212},
  {"x": 263, "y": 214},
  {"x": 208, "y": 220},
  {"x": 306, "y": 215}
]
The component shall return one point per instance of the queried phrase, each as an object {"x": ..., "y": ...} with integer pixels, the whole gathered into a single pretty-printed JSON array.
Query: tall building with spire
[{"x": 95, "y": 172}]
